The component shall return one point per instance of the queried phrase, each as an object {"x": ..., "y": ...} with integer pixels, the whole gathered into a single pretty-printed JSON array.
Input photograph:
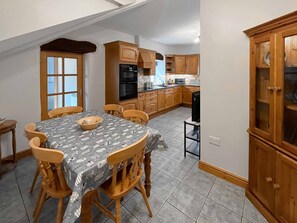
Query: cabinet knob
[
  {"x": 277, "y": 89},
  {"x": 276, "y": 186},
  {"x": 270, "y": 88},
  {"x": 268, "y": 179}
]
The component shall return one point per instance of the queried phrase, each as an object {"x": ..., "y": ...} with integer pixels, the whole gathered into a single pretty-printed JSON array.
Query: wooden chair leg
[
  {"x": 142, "y": 190},
  {"x": 60, "y": 211},
  {"x": 118, "y": 211},
  {"x": 34, "y": 180},
  {"x": 38, "y": 201},
  {"x": 39, "y": 207}
]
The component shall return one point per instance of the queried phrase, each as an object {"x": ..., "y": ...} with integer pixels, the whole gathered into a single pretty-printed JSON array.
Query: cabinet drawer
[
  {"x": 151, "y": 94},
  {"x": 191, "y": 89}
]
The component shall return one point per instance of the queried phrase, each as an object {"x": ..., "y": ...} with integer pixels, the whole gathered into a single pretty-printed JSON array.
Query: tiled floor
[{"x": 181, "y": 192}]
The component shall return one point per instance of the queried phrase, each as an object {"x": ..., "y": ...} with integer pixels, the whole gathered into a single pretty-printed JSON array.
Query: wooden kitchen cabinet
[
  {"x": 179, "y": 64},
  {"x": 178, "y": 95},
  {"x": 128, "y": 52},
  {"x": 151, "y": 102},
  {"x": 273, "y": 118},
  {"x": 192, "y": 63},
  {"x": 129, "y": 104},
  {"x": 169, "y": 97},
  {"x": 187, "y": 94},
  {"x": 161, "y": 100},
  {"x": 141, "y": 101}
]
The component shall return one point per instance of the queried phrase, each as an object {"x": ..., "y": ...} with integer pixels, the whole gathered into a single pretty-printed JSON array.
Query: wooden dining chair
[
  {"x": 59, "y": 112},
  {"x": 30, "y": 132},
  {"x": 114, "y": 109},
  {"x": 53, "y": 180},
  {"x": 130, "y": 159},
  {"x": 137, "y": 116}
]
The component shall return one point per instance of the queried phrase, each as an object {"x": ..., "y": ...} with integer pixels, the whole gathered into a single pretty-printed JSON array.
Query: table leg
[
  {"x": 13, "y": 145},
  {"x": 147, "y": 170},
  {"x": 86, "y": 210}
]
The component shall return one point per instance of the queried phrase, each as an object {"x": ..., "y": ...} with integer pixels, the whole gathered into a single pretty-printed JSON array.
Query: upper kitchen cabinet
[
  {"x": 179, "y": 64},
  {"x": 182, "y": 64},
  {"x": 124, "y": 52},
  {"x": 147, "y": 61},
  {"x": 192, "y": 62}
]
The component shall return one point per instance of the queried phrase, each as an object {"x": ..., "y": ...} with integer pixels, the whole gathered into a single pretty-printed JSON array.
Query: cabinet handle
[
  {"x": 268, "y": 179},
  {"x": 270, "y": 88},
  {"x": 276, "y": 186},
  {"x": 277, "y": 89}
]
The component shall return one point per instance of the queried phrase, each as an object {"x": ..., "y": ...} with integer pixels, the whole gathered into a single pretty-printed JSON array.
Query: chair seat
[{"x": 118, "y": 192}]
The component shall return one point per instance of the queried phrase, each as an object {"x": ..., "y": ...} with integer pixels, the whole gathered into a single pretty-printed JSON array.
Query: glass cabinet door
[
  {"x": 289, "y": 95},
  {"x": 261, "y": 91}
]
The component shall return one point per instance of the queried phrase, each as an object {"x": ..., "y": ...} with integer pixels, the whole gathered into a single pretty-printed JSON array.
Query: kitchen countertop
[{"x": 158, "y": 87}]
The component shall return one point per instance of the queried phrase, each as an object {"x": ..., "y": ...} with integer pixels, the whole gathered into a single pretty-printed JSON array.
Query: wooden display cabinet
[
  {"x": 273, "y": 118},
  {"x": 169, "y": 64}
]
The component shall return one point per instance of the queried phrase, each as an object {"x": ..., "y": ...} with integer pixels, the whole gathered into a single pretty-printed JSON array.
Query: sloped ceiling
[
  {"x": 171, "y": 22},
  {"x": 21, "y": 31}
]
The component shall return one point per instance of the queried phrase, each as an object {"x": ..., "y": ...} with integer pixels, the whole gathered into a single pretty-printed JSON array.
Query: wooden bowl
[{"x": 89, "y": 123}]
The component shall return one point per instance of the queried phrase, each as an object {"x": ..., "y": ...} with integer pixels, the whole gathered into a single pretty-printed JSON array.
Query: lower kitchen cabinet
[
  {"x": 273, "y": 180},
  {"x": 169, "y": 97},
  {"x": 141, "y": 101},
  {"x": 187, "y": 94},
  {"x": 151, "y": 102},
  {"x": 178, "y": 96},
  {"x": 129, "y": 104},
  {"x": 161, "y": 100}
]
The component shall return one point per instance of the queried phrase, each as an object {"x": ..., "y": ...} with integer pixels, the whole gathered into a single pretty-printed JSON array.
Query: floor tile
[
  {"x": 230, "y": 196},
  {"x": 199, "y": 182},
  {"x": 23, "y": 220},
  {"x": 169, "y": 214},
  {"x": 189, "y": 160},
  {"x": 187, "y": 200},
  {"x": 251, "y": 213},
  {"x": 7, "y": 180},
  {"x": 13, "y": 211},
  {"x": 213, "y": 212},
  {"x": 126, "y": 217},
  {"x": 169, "y": 152},
  {"x": 243, "y": 220},
  {"x": 137, "y": 206},
  {"x": 175, "y": 170},
  {"x": 158, "y": 160},
  {"x": 163, "y": 185},
  {"x": 9, "y": 194}
]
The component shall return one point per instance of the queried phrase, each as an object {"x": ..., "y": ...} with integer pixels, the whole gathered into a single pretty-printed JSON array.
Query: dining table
[{"x": 85, "y": 154}]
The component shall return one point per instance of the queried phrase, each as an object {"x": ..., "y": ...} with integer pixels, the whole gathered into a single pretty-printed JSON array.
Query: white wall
[
  {"x": 19, "y": 94},
  {"x": 185, "y": 49},
  {"x": 224, "y": 76}
]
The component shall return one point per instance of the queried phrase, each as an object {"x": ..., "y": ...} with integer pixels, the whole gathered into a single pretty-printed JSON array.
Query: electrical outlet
[{"x": 214, "y": 140}]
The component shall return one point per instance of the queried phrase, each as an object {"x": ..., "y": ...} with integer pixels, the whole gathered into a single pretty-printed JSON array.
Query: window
[{"x": 61, "y": 80}]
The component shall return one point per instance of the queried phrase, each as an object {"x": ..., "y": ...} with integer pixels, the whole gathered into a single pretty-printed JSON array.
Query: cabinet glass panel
[
  {"x": 262, "y": 83},
  {"x": 290, "y": 91}
]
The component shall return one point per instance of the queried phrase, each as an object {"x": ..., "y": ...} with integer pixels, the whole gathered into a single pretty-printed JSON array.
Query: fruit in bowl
[{"x": 89, "y": 123}]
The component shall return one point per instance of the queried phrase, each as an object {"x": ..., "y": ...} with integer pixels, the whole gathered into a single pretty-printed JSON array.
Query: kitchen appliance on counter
[
  {"x": 148, "y": 85},
  {"x": 128, "y": 81},
  {"x": 180, "y": 81}
]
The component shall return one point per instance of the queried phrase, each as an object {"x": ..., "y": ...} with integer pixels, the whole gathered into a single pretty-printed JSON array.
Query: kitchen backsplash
[{"x": 160, "y": 79}]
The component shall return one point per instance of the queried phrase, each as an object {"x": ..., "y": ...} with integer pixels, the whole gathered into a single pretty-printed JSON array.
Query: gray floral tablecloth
[{"x": 85, "y": 165}]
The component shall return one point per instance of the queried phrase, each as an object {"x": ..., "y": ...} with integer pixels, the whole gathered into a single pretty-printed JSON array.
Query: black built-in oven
[{"x": 128, "y": 81}]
